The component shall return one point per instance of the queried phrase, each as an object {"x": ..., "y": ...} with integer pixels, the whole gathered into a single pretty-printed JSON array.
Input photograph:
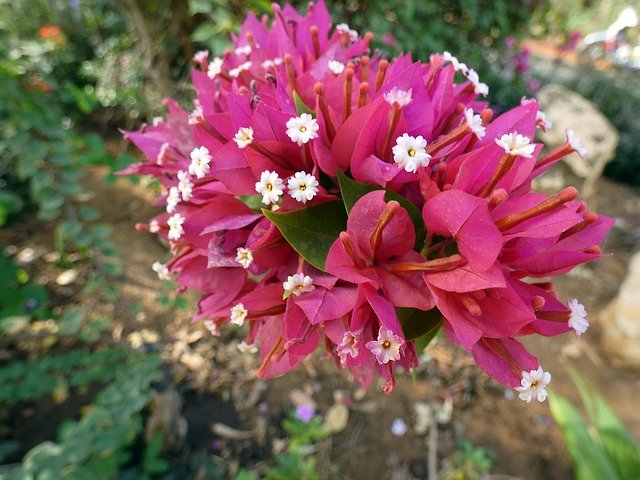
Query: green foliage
[
  {"x": 311, "y": 231},
  {"x": 27, "y": 381},
  {"x": 97, "y": 446},
  {"x": 473, "y": 30},
  {"x": 470, "y": 462},
  {"x": 219, "y": 18},
  {"x": 18, "y": 297},
  {"x": 601, "y": 447},
  {"x": 298, "y": 460},
  {"x": 420, "y": 325}
]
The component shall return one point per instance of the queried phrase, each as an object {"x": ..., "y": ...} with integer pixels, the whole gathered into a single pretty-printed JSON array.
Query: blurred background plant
[{"x": 601, "y": 446}]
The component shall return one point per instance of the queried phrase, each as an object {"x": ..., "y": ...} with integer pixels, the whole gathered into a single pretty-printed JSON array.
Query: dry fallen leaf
[{"x": 336, "y": 418}]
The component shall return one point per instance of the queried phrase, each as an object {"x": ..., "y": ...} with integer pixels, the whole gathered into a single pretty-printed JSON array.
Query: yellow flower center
[
  {"x": 303, "y": 129},
  {"x": 386, "y": 344},
  {"x": 411, "y": 152},
  {"x": 534, "y": 385},
  {"x": 302, "y": 187},
  {"x": 269, "y": 186}
]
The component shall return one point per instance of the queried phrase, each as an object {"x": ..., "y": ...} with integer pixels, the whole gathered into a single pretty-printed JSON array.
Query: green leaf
[
  {"x": 254, "y": 202},
  {"x": 71, "y": 321},
  {"x": 204, "y": 33},
  {"x": 417, "y": 324},
  {"x": 311, "y": 231},
  {"x": 351, "y": 191},
  {"x": 616, "y": 439},
  {"x": 301, "y": 107},
  {"x": 589, "y": 458}
]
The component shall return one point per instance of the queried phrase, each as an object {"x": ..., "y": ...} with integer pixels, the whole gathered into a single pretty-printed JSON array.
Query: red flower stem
[
  {"x": 394, "y": 117},
  {"x": 588, "y": 220},
  {"x": 313, "y": 30},
  {"x": 348, "y": 90},
  {"x": 273, "y": 353},
  {"x": 364, "y": 62},
  {"x": 437, "y": 265},
  {"x": 386, "y": 216},
  {"x": 382, "y": 72},
  {"x": 281, "y": 162},
  {"x": 363, "y": 92},
  {"x": 546, "y": 206},
  {"x": 504, "y": 165}
]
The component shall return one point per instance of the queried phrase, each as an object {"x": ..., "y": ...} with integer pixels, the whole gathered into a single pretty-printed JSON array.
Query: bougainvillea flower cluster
[{"x": 320, "y": 196}]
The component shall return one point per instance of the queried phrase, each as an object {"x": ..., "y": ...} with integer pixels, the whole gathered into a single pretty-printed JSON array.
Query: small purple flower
[{"x": 305, "y": 412}]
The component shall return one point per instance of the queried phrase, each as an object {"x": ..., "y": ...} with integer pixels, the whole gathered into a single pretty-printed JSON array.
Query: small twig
[{"x": 432, "y": 458}]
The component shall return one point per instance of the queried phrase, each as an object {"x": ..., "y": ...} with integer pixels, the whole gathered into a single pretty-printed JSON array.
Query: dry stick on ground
[{"x": 432, "y": 459}]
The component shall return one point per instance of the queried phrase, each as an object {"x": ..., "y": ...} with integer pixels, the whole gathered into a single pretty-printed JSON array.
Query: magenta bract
[{"x": 439, "y": 218}]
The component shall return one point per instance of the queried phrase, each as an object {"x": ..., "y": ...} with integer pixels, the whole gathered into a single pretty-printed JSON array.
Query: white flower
[
  {"x": 172, "y": 199},
  {"x": 157, "y": 121},
  {"x": 516, "y": 145},
  {"x": 162, "y": 154},
  {"x": 238, "y": 314},
  {"x": 235, "y": 72},
  {"x": 154, "y": 226},
  {"x": 201, "y": 56},
  {"x": 215, "y": 68},
  {"x": 542, "y": 121},
  {"x": 267, "y": 64},
  {"x": 344, "y": 28},
  {"x": 302, "y": 129},
  {"x": 399, "y": 427},
  {"x": 386, "y": 347},
  {"x": 212, "y": 327},
  {"x": 575, "y": 143},
  {"x": 475, "y": 123},
  {"x": 185, "y": 186},
  {"x": 175, "y": 222},
  {"x": 348, "y": 346},
  {"x": 297, "y": 285},
  {"x": 447, "y": 57},
  {"x": 162, "y": 270},
  {"x": 245, "y": 348},
  {"x": 457, "y": 65},
  {"x": 200, "y": 160},
  {"x": 243, "y": 137},
  {"x": 401, "y": 97},
  {"x": 245, "y": 50},
  {"x": 270, "y": 187},
  {"x": 336, "y": 67},
  {"x": 578, "y": 317},
  {"x": 302, "y": 186},
  {"x": 244, "y": 257},
  {"x": 410, "y": 152},
  {"x": 479, "y": 87},
  {"x": 462, "y": 67},
  {"x": 197, "y": 116},
  {"x": 534, "y": 385}
]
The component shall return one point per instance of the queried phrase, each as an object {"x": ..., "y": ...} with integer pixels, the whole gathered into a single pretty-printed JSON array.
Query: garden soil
[{"x": 236, "y": 419}]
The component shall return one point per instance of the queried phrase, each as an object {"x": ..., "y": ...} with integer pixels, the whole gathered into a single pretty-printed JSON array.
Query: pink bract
[{"x": 455, "y": 239}]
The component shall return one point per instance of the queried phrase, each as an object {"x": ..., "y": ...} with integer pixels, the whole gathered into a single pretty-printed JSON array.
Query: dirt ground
[{"x": 217, "y": 384}]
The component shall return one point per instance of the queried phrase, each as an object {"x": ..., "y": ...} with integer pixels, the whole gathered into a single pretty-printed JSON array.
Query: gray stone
[
  {"x": 620, "y": 320},
  {"x": 567, "y": 109}
]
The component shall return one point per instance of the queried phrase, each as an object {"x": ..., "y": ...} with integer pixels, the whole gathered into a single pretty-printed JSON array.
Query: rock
[
  {"x": 620, "y": 320},
  {"x": 566, "y": 109}
]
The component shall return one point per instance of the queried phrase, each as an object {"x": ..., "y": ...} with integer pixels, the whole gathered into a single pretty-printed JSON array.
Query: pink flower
[
  {"x": 435, "y": 225},
  {"x": 387, "y": 347}
]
